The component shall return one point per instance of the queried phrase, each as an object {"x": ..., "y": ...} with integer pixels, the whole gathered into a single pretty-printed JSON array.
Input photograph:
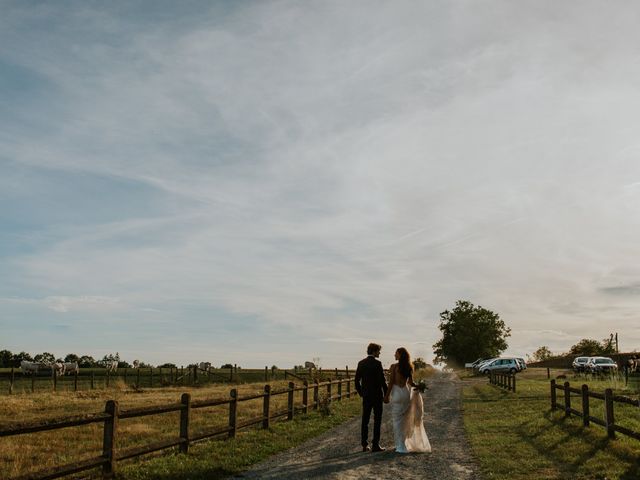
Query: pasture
[
  {"x": 15, "y": 382},
  {"x": 516, "y": 436},
  {"x": 44, "y": 450}
]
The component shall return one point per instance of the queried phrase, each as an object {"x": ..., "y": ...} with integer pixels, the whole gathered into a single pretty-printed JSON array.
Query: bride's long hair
[{"x": 404, "y": 362}]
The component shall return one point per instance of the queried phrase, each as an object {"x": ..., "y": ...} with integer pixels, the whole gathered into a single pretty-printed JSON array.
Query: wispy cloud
[{"x": 316, "y": 173}]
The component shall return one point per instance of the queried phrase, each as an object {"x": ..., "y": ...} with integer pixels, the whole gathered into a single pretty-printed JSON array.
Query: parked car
[
  {"x": 475, "y": 363},
  {"x": 500, "y": 365},
  {"x": 479, "y": 366},
  {"x": 601, "y": 365},
  {"x": 523, "y": 364},
  {"x": 579, "y": 364}
]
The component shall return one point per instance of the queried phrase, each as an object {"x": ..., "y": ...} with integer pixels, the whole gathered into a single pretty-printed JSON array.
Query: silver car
[{"x": 510, "y": 365}]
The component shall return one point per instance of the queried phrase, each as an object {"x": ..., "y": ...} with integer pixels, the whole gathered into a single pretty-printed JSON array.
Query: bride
[{"x": 407, "y": 408}]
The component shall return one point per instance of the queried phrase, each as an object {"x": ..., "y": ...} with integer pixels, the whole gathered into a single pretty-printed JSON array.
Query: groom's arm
[{"x": 358, "y": 379}]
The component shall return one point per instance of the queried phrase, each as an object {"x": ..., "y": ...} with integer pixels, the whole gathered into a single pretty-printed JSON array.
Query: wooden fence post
[
  {"x": 233, "y": 413},
  {"x": 235, "y": 371},
  {"x": 92, "y": 380},
  {"x": 109, "y": 439},
  {"x": 266, "y": 374},
  {"x": 231, "y": 374},
  {"x": 567, "y": 400},
  {"x": 339, "y": 390},
  {"x": 585, "y": 405},
  {"x": 548, "y": 373},
  {"x": 33, "y": 380},
  {"x": 125, "y": 376},
  {"x": 348, "y": 387},
  {"x": 266, "y": 407},
  {"x": 514, "y": 383},
  {"x": 184, "y": 422},
  {"x": 55, "y": 379},
  {"x": 608, "y": 412},
  {"x": 290, "y": 401},
  {"x": 75, "y": 381},
  {"x": 329, "y": 391},
  {"x": 336, "y": 372},
  {"x": 305, "y": 397},
  {"x": 12, "y": 380},
  {"x": 316, "y": 396},
  {"x": 553, "y": 395},
  {"x": 138, "y": 378},
  {"x": 346, "y": 370}
]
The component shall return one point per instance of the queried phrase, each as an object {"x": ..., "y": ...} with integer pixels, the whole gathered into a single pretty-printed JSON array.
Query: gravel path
[{"x": 337, "y": 454}]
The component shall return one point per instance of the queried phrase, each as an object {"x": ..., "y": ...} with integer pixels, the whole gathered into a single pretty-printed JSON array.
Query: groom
[{"x": 371, "y": 386}]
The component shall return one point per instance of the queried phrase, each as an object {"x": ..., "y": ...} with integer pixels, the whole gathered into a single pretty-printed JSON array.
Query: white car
[
  {"x": 475, "y": 363},
  {"x": 479, "y": 366},
  {"x": 510, "y": 365},
  {"x": 579, "y": 364},
  {"x": 601, "y": 365}
]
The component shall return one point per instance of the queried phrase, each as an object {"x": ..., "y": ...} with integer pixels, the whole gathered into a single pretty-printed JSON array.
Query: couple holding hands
[{"x": 403, "y": 395}]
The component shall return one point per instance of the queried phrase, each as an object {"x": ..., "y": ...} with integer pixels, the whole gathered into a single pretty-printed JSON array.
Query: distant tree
[
  {"x": 124, "y": 364},
  {"x": 71, "y": 357},
  {"x": 167, "y": 365},
  {"x": 419, "y": 363},
  {"x": 590, "y": 347},
  {"x": 18, "y": 357},
  {"x": 468, "y": 333},
  {"x": 6, "y": 359},
  {"x": 44, "y": 357},
  {"x": 274, "y": 368},
  {"x": 87, "y": 361},
  {"x": 542, "y": 353},
  {"x": 227, "y": 365}
]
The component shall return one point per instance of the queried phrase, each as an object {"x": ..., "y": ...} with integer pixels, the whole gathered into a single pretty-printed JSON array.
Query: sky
[{"x": 273, "y": 182}]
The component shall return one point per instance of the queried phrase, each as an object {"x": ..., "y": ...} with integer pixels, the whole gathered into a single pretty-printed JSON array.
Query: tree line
[{"x": 9, "y": 359}]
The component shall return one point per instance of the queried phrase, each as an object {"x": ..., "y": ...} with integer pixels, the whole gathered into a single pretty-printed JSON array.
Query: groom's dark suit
[{"x": 371, "y": 385}]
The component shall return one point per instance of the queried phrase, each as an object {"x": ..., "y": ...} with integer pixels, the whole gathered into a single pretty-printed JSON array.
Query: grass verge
[
  {"x": 222, "y": 458},
  {"x": 515, "y": 436}
]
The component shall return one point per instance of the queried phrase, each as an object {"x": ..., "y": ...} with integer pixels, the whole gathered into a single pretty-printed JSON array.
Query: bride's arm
[{"x": 392, "y": 375}]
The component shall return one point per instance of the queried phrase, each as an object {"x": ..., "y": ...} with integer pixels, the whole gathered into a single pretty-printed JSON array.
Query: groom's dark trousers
[{"x": 371, "y": 386}]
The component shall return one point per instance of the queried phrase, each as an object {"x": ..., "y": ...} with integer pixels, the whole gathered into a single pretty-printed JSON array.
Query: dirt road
[{"x": 337, "y": 454}]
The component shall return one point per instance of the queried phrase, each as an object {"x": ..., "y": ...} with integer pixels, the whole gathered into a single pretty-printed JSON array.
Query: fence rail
[
  {"x": 112, "y": 414},
  {"x": 585, "y": 395},
  {"x": 503, "y": 380},
  {"x": 13, "y": 380}
]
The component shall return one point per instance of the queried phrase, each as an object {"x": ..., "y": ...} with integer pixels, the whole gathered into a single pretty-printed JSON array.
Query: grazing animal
[
  {"x": 71, "y": 368},
  {"x": 58, "y": 368},
  {"x": 136, "y": 364},
  {"x": 29, "y": 367},
  {"x": 561, "y": 376},
  {"x": 204, "y": 365},
  {"x": 111, "y": 366},
  {"x": 309, "y": 365},
  {"x": 633, "y": 364}
]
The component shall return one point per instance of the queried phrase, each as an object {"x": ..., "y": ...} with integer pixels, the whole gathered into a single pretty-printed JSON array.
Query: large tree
[
  {"x": 468, "y": 333},
  {"x": 542, "y": 353},
  {"x": 590, "y": 347}
]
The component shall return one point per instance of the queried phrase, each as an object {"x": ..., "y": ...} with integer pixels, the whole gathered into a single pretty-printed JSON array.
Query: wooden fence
[
  {"x": 503, "y": 380},
  {"x": 148, "y": 377},
  {"x": 585, "y": 396},
  {"x": 112, "y": 415}
]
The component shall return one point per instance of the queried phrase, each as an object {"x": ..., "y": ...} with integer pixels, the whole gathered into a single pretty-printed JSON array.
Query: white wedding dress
[{"x": 407, "y": 411}]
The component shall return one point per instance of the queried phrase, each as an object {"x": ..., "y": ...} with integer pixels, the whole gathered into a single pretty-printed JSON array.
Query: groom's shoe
[
  {"x": 378, "y": 448},
  {"x": 366, "y": 449}
]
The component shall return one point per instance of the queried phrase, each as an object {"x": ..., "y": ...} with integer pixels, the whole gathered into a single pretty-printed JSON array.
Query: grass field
[
  {"x": 43, "y": 450},
  {"x": 515, "y": 436}
]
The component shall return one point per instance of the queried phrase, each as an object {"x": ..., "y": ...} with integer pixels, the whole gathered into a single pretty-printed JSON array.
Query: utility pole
[{"x": 617, "y": 351}]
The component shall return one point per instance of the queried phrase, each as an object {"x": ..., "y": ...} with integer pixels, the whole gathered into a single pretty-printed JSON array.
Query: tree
[
  {"x": 45, "y": 357},
  {"x": 167, "y": 365},
  {"x": 71, "y": 358},
  {"x": 18, "y": 357},
  {"x": 419, "y": 363},
  {"x": 542, "y": 353},
  {"x": 468, "y": 333},
  {"x": 6, "y": 359},
  {"x": 589, "y": 347},
  {"x": 86, "y": 361},
  {"x": 227, "y": 365}
]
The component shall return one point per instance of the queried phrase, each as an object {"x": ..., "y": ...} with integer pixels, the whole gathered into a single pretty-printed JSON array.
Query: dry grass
[{"x": 26, "y": 453}]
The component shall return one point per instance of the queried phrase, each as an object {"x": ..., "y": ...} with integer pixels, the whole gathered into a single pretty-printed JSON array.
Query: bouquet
[{"x": 421, "y": 386}]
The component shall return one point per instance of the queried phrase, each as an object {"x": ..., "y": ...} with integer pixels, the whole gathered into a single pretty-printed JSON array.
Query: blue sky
[{"x": 267, "y": 182}]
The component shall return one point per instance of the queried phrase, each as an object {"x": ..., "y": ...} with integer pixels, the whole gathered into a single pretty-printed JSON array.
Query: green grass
[
  {"x": 222, "y": 458},
  {"x": 516, "y": 436}
]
